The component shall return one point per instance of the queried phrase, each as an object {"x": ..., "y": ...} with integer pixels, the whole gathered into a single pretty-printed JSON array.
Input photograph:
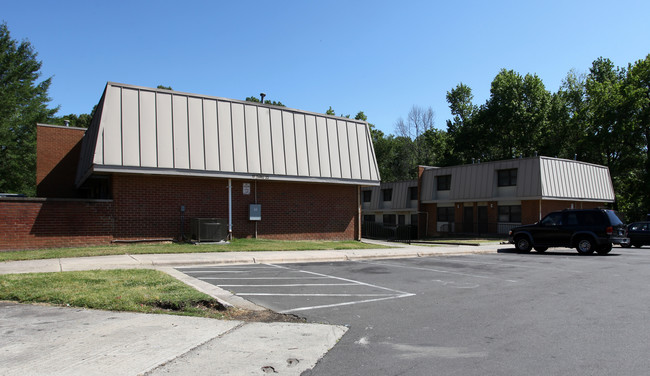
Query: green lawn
[
  {"x": 236, "y": 245},
  {"x": 148, "y": 291}
]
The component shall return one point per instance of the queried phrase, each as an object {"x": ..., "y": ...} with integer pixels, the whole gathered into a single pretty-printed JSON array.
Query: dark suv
[{"x": 586, "y": 230}]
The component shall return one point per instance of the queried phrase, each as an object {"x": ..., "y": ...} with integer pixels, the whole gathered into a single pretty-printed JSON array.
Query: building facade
[
  {"x": 155, "y": 159},
  {"x": 389, "y": 206},
  {"x": 492, "y": 197}
]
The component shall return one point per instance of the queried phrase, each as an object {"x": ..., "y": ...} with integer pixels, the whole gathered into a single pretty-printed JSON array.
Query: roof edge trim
[{"x": 228, "y": 175}]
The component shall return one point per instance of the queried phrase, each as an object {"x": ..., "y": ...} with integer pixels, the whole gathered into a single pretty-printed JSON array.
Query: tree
[
  {"x": 463, "y": 137},
  {"x": 23, "y": 103},
  {"x": 256, "y": 100},
  {"x": 409, "y": 133}
]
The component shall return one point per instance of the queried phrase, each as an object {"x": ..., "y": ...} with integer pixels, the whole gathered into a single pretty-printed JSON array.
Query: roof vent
[{"x": 262, "y": 95}]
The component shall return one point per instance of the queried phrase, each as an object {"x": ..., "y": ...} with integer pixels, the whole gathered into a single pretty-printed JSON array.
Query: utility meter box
[{"x": 255, "y": 212}]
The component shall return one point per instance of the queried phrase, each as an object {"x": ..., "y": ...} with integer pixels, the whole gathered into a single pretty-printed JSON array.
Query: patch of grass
[
  {"x": 141, "y": 290},
  {"x": 236, "y": 245}
]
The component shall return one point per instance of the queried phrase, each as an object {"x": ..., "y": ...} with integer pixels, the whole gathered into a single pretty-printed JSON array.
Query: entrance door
[
  {"x": 482, "y": 219},
  {"x": 468, "y": 219}
]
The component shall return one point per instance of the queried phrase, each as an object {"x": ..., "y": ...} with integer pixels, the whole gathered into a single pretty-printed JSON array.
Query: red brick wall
[
  {"x": 57, "y": 155},
  {"x": 43, "y": 223},
  {"x": 148, "y": 207}
]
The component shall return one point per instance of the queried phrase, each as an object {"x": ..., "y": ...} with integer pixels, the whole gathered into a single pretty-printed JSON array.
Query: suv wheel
[
  {"x": 585, "y": 246},
  {"x": 604, "y": 249},
  {"x": 523, "y": 244}
]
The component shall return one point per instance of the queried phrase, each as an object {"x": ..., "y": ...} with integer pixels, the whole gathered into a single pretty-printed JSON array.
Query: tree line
[{"x": 601, "y": 117}]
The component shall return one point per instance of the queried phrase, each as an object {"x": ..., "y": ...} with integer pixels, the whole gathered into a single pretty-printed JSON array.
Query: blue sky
[{"x": 380, "y": 57}]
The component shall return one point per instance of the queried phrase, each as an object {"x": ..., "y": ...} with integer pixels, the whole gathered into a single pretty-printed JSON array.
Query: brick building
[
  {"x": 492, "y": 197},
  {"x": 154, "y": 159}
]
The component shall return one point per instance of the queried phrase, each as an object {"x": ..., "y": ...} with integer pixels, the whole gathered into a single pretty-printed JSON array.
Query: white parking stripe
[
  {"x": 322, "y": 295},
  {"x": 264, "y": 278},
  {"x": 342, "y": 279},
  {"x": 344, "y": 304},
  {"x": 294, "y": 285}
]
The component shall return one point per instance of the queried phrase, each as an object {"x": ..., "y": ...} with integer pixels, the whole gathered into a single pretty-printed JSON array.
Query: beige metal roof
[
  {"x": 537, "y": 178},
  {"x": 155, "y": 131}
]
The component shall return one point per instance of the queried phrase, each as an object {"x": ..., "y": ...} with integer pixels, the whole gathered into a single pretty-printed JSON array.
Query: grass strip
[
  {"x": 236, "y": 245},
  {"x": 139, "y": 290}
]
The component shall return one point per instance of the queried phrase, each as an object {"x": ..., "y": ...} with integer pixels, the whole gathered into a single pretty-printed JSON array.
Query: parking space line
[
  {"x": 345, "y": 303},
  {"x": 294, "y": 285},
  {"x": 342, "y": 279},
  {"x": 264, "y": 278},
  {"x": 321, "y": 295}
]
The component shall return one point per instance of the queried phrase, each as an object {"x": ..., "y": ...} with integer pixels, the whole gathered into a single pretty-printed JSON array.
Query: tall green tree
[{"x": 23, "y": 103}]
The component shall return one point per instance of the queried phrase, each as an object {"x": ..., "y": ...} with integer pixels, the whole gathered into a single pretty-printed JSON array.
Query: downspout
[
  {"x": 358, "y": 212},
  {"x": 229, "y": 209},
  {"x": 540, "y": 210},
  {"x": 256, "y": 195}
]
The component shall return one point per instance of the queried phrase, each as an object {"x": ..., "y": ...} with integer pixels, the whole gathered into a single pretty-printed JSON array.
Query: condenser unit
[{"x": 209, "y": 229}]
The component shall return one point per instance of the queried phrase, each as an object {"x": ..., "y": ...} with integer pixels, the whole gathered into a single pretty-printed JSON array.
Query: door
[
  {"x": 468, "y": 219},
  {"x": 482, "y": 219}
]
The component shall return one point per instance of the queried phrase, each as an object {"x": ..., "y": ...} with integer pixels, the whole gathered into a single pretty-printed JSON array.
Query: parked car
[
  {"x": 586, "y": 230},
  {"x": 639, "y": 234}
]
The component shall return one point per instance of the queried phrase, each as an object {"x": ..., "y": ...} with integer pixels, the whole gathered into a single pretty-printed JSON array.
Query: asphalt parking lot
[{"x": 556, "y": 313}]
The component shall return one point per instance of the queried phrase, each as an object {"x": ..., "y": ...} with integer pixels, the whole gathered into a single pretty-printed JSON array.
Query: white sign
[{"x": 247, "y": 188}]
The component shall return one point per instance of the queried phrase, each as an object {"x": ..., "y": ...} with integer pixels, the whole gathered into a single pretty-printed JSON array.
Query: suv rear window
[{"x": 613, "y": 218}]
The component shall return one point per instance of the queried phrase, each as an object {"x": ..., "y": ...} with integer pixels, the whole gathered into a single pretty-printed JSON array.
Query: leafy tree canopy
[{"x": 23, "y": 103}]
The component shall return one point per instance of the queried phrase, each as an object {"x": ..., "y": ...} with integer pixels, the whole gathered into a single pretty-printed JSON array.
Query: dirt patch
[{"x": 260, "y": 316}]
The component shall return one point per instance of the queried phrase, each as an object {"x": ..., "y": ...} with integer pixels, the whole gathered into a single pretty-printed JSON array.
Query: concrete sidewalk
[
  {"x": 151, "y": 261},
  {"x": 58, "y": 340},
  {"x": 43, "y": 340}
]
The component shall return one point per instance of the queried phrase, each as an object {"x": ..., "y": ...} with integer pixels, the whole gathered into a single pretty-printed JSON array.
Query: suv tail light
[{"x": 609, "y": 230}]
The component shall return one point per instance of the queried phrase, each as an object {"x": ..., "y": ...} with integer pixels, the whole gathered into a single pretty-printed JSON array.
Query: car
[
  {"x": 586, "y": 230},
  {"x": 639, "y": 234}
]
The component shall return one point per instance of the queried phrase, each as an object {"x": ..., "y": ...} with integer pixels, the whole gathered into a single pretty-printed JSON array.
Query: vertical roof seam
[
  {"x": 205, "y": 151},
  {"x": 155, "y": 121},
  {"x": 139, "y": 132},
  {"x": 347, "y": 135},
  {"x": 245, "y": 136},
  {"x": 304, "y": 117},
  {"x": 121, "y": 130},
  {"x": 232, "y": 139},
  {"x": 216, "y": 120},
  {"x": 295, "y": 143},
  {"x": 284, "y": 143},
  {"x": 171, "y": 105}
]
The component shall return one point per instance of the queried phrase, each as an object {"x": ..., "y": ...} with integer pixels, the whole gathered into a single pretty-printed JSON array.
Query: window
[
  {"x": 401, "y": 220},
  {"x": 387, "y": 194},
  {"x": 413, "y": 193},
  {"x": 367, "y": 196},
  {"x": 389, "y": 219},
  {"x": 511, "y": 213},
  {"x": 368, "y": 218},
  {"x": 507, "y": 178},
  {"x": 555, "y": 219},
  {"x": 446, "y": 214},
  {"x": 443, "y": 182}
]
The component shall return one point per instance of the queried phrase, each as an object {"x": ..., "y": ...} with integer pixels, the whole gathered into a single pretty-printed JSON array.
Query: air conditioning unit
[{"x": 209, "y": 229}]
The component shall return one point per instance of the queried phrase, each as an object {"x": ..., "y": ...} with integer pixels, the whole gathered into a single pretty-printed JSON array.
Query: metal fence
[{"x": 378, "y": 230}]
